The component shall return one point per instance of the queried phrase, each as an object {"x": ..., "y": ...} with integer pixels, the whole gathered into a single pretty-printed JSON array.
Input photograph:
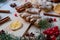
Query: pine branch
[{"x": 44, "y": 24}]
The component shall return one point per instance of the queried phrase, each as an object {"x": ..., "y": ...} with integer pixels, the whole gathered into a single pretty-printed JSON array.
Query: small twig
[{"x": 27, "y": 29}]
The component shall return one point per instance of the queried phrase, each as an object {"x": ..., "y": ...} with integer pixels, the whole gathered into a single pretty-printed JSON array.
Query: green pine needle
[
  {"x": 44, "y": 24},
  {"x": 7, "y": 37},
  {"x": 40, "y": 37}
]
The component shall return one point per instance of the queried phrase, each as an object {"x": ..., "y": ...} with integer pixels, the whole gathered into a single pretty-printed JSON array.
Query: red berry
[
  {"x": 15, "y": 15},
  {"x": 56, "y": 34},
  {"x": 53, "y": 29},
  {"x": 48, "y": 31},
  {"x": 44, "y": 32},
  {"x": 51, "y": 33},
  {"x": 54, "y": 20},
  {"x": 56, "y": 28},
  {"x": 53, "y": 37}
]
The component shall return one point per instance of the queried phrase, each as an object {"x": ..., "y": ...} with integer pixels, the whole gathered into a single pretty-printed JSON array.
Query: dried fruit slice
[
  {"x": 15, "y": 25},
  {"x": 57, "y": 8}
]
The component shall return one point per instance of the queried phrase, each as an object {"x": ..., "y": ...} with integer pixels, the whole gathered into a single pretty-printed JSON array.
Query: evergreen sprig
[
  {"x": 41, "y": 37},
  {"x": 5, "y": 36},
  {"x": 44, "y": 24}
]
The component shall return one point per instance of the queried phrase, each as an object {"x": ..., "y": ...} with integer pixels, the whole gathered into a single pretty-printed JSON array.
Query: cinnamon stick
[
  {"x": 53, "y": 15},
  {"x": 27, "y": 29},
  {"x": 4, "y": 11}
]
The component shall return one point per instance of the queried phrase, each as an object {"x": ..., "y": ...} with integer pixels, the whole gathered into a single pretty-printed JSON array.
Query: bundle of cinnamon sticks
[{"x": 4, "y": 20}]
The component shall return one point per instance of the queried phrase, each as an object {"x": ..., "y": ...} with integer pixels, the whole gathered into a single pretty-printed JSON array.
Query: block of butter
[{"x": 15, "y": 25}]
